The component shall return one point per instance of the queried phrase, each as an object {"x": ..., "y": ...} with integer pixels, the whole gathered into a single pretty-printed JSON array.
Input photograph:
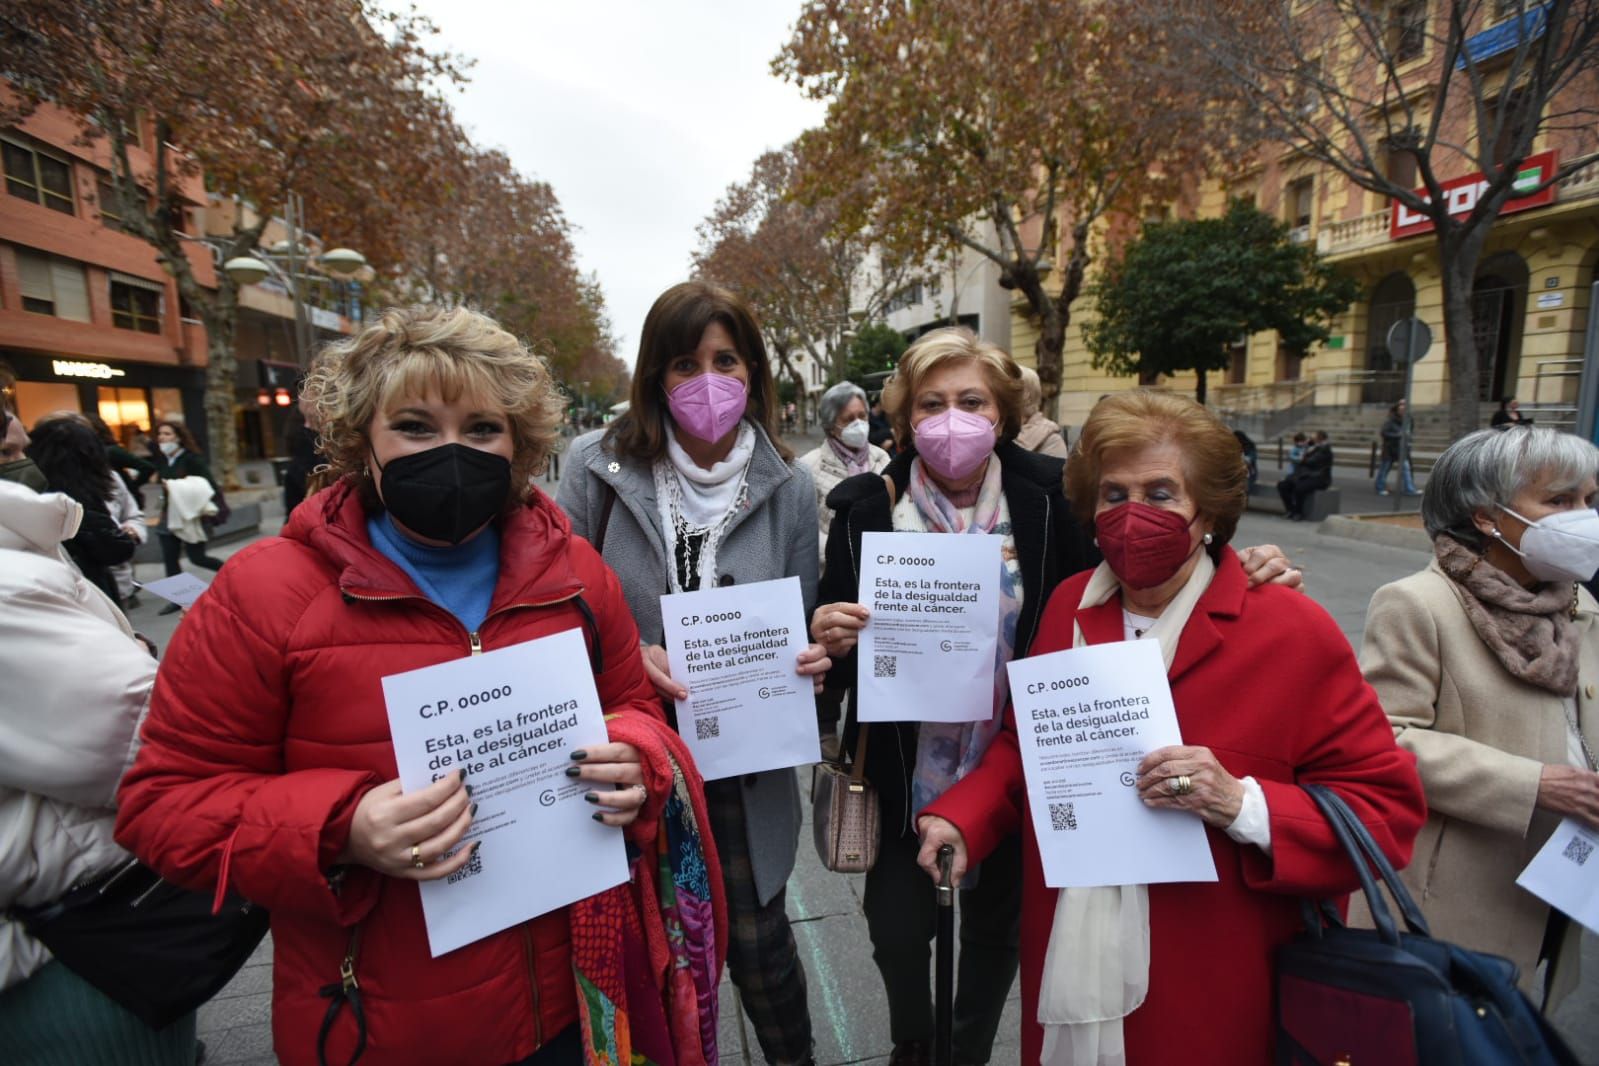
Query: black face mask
[{"x": 445, "y": 493}]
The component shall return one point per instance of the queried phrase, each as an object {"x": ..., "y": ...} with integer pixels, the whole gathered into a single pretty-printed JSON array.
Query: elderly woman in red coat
[
  {"x": 1268, "y": 696},
  {"x": 267, "y": 766}
]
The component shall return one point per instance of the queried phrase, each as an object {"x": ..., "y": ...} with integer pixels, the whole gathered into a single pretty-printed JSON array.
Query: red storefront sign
[{"x": 1462, "y": 194}]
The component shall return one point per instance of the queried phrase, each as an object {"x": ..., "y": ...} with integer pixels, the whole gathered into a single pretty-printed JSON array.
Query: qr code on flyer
[
  {"x": 885, "y": 666},
  {"x": 473, "y": 867},
  {"x": 1578, "y": 850},
  {"x": 1062, "y": 816},
  {"x": 707, "y": 727}
]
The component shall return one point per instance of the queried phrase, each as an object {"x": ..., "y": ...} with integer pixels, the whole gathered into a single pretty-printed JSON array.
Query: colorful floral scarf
[
  {"x": 948, "y": 751},
  {"x": 647, "y": 955}
]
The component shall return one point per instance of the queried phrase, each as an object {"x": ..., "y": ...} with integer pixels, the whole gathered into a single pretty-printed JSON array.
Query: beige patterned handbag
[{"x": 844, "y": 813}]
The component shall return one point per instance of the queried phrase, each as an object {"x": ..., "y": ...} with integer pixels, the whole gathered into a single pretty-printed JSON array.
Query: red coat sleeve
[
  {"x": 207, "y": 800},
  {"x": 1342, "y": 740}
]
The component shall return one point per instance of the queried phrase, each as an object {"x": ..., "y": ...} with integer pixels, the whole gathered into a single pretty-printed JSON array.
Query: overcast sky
[{"x": 640, "y": 114}]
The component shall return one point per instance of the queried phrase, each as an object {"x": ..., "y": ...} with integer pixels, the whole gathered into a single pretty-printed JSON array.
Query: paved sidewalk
[{"x": 846, "y": 999}]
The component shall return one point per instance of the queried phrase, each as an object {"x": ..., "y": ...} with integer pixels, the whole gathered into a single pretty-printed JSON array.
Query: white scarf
[
  {"x": 700, "y": 500},
  {"x": 1096, "y": 968}
]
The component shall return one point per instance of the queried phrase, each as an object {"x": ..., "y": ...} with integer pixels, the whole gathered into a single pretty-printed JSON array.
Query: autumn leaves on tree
[
  {"x": 339, "y": 101},
  {"x": 1035, "y": 117}
]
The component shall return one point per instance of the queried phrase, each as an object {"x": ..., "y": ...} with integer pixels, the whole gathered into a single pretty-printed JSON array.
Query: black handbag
[
  {"x": 150, "y": 945},
  {"x": 1351, "y": 996}
]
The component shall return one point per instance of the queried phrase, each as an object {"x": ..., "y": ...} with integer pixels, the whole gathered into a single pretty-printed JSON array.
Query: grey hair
[
  {"x": 1032, "y": 392},
  {"x": 1486, "y": 469},
  {"x": 836, "y": 399}
]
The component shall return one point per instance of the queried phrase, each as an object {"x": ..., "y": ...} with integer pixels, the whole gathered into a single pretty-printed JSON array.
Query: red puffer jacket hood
[{"x": 268, "y": 725}]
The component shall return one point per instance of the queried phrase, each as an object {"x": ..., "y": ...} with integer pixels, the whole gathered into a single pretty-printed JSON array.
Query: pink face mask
[
  {"x": 954, "y": 443},
  {"x": 708, "y": 405}
]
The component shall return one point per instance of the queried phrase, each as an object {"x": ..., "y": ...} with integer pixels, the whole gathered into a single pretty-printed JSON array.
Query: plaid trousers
[{"x": 761, "y": 955}]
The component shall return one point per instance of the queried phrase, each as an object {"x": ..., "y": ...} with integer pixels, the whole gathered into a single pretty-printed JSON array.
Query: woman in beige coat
[{"x": 1487, "y": 664}]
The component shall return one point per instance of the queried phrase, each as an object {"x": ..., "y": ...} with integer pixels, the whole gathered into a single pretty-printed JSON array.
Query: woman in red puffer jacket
[{"x": 267, "y": 767}]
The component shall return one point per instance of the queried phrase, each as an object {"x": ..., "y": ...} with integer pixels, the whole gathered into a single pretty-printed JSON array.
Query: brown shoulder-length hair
[
  {"x": 673, "y": 327},
  {"x": 1128, "y": 422},
  {"x": 185, "y": 438}
]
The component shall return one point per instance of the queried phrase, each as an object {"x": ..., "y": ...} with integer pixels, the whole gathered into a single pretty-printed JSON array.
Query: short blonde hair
[
  {"x": 1128, "y": 422},
  {"x": 453, "y": 351},
  {"x": 1032, "y": 392},
  {"x": 942, "y": 347}
]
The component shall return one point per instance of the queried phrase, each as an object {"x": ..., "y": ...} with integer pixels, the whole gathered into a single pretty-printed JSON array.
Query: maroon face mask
[{"x": 1144, "y": 545}]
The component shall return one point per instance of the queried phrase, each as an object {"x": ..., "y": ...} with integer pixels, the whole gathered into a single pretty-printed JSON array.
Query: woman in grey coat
[{"x": 693, "y": 488}]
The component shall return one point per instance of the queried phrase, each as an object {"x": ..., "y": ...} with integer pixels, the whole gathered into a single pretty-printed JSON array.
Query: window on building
[
  {"x": 1504, "y": 9},
  {"x": 1301, "y": 201},
  {"x": 136, "y": 304},
  {"x": 1399, "y": 165},
  {"x": 1407, "y": 30},
  {"x": 1508, "y": 118},
  {"x": 52, "y": 286},
  {"x": 109, "y": 205},
  {"x": 37, "y": 177}
]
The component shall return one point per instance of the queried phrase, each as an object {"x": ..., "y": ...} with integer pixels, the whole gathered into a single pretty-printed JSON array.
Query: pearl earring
[{"x": 1208, "y": 538}]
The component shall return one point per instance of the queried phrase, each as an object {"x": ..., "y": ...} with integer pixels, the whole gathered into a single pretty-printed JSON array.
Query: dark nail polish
[
  {"x": 597, "y": 816},
  {"x": 473, "y": 811},
  {"x": 475, "y": 845},
  {"x": 573, "y": 771},
  {"x": 591, "y": 797},
  {"x": 463, "y": 773},
  {"x": 579, "y": 755},
  {"x": 468, "y": 790}
]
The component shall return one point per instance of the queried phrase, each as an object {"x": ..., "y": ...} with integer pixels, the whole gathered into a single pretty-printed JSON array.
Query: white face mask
[
  {"x": 1563, "y": 546},
  {"x": 169, "y": 448},
  {"x": 853, "y": 436}
]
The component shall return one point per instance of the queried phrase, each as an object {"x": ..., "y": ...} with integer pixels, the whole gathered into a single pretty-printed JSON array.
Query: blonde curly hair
[{"x": 450, "y": 351}]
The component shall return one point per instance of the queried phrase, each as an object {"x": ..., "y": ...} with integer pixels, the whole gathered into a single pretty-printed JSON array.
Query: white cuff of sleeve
[{"x": 1253, "y": 824}]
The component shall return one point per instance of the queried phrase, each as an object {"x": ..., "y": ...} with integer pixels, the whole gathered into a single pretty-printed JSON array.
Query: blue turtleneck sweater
[{"x": 460, "y": 578}]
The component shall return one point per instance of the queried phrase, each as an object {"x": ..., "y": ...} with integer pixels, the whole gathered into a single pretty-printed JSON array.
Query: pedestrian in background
[
  {"x": 268, "y": 768},
  {"x": 1509, "y": 414},
  {"x": 1311, "y": 474},
  {"x": 73, "y": 461},
  {"x": 880, "y": 431},
  {"x": 1486, "y": 663},
  {"x": 134, "y": 471},
  {"x": 179, "y": 457},
  {"x": 1396, "y": 435},
  {"x": 1125, "y": 974},
  {"x": 1038, "y": 434},
  {"x": 845, "y": 449},
  {"x": 299, "y": 440},
  {"x": 1296, "y": 451},
  {"x": 78, "y": 685},
  {"x": 844, "y": 452},
  {"x": 694, "y": 488}
]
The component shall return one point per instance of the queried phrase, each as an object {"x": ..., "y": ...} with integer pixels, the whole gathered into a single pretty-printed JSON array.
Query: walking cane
[{"x": 944, "y": 979}]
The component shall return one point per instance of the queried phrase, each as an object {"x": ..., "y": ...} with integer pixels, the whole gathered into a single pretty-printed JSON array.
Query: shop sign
[
  {"x": 69, "y": 368},
  {"x": 1462, "y": 194}
]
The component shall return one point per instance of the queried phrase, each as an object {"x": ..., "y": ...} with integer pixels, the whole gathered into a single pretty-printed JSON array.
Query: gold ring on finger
[
  {"x": 416, "y": 857},
  {"x": 1181, "y": 785}
]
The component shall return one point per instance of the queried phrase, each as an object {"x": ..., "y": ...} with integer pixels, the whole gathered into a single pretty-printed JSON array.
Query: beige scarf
[
  {"x": 1096, "y": 968},
  {"x": 1530, "y": 631}
]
